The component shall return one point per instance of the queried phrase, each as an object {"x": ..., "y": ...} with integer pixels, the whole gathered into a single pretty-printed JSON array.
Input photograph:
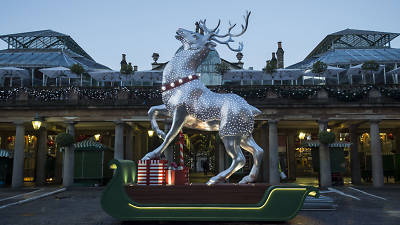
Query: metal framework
[
  {"x": 350, "y": 38},
  {"x": 43, "y": 39}
]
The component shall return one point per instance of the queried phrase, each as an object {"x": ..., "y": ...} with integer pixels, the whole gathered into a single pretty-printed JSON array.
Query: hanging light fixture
[
  {"x": 37, "y": 122},
  {"x": 97, "y": 137},
  {"x": 150, "y": 133}
]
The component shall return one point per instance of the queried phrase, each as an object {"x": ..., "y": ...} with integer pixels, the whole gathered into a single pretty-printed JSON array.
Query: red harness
[{"x": 179, "y": 82}]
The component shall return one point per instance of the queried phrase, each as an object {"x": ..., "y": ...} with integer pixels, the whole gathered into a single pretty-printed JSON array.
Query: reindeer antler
[
  {"x": 244, "y": 28},
  {"x": 203, "y": 26},
  {"x": 214, "y": 32}
]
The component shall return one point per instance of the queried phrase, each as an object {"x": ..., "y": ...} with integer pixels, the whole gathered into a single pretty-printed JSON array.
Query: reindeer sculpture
[{"x": 191, "y": 104}]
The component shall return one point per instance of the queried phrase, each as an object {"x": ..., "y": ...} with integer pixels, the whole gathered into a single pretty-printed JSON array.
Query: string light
[{"x": 144, "y": 95}]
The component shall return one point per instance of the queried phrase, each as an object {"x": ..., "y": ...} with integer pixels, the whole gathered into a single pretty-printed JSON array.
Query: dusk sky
[{"x": 106, "y": 29}]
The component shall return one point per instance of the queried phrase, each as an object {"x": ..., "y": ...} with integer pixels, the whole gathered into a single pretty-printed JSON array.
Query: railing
[{"x": 146, "y": 96}]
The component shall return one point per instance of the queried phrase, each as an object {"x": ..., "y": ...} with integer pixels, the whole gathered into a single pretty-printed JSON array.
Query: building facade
[{"x": 364, "y": 117}]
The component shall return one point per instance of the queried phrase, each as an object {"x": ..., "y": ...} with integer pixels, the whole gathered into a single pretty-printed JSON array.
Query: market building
[{"x": 364, "y": 116}]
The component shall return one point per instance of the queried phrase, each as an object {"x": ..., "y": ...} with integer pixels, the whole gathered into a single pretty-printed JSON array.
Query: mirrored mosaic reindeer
[{"x": 191, "y": 104}]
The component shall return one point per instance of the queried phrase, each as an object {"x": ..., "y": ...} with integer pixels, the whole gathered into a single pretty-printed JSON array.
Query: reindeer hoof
[
  {"x": 216, "y": 180},
  {"x": 247, "y": 179},
  {"x": 150, "y": 155}
]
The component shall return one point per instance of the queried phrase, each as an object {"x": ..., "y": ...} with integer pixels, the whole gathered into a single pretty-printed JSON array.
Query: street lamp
[{"x": 37, "y": 122}]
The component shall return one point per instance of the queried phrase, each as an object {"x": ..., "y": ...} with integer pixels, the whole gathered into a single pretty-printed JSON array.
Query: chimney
[
  {"x": 123, "y": 61},
  {"x": 279, "y": 54},
  {"x": 135, "y": 68},
  {"x": 274, "y": 61}
]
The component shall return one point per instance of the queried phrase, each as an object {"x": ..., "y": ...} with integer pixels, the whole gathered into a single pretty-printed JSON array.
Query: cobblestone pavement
[{"x": 82, "y": 206}]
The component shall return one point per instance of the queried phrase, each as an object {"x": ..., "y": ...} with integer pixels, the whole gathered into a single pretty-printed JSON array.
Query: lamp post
[
  {"x": 42, "y": 150},
  {"x": 37, "y": 122}
]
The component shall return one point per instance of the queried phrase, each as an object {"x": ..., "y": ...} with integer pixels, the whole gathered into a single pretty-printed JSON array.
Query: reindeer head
[{"x": 209, "y": 38}]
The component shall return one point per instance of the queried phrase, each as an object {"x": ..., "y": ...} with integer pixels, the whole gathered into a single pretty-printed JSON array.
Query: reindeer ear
[{"x": 211, "y": 45}]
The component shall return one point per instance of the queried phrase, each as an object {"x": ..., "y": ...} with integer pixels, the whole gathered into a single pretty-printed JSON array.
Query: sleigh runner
[{"x": 125, "y": 200}]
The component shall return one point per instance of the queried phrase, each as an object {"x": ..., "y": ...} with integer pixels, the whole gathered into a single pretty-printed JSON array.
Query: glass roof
[
  {"x": 42, "y": 58},
  {"x": 351, "y": 38},
  {"x": 43, "y": 39},
  {"x": 352, "y": 56}
]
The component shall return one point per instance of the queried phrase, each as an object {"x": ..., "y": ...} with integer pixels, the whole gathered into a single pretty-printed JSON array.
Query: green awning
[
  {"x": 5, "y": 153},
  {"x": 315, "y": 144},
  {"x": 89, "y": 145}
]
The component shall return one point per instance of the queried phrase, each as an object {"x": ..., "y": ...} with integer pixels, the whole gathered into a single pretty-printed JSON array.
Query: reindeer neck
[{"x": 183, "y": 64}]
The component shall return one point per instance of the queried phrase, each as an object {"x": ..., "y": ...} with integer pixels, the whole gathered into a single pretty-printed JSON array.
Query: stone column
[
  {"x": 18, "y": 165},
  {"x": 273, "y": 152},
  {"x": 59, "y": 167},
  {"x": 354, "y": 156},
  {"x": 376, "y": 154},
  {"x": 129, "y": 143},
  {"x": 396, "y": 134},
  {"x": 69, "y": 159},
  {"x": 119, "y": 140},
  {"x": 138, "y": 147},
  {"x": 265, "y": 146},
  {"x": 41, "y": 157},
  {"x": 324, "y": 159},
  {"x": 291, "y": 155}
]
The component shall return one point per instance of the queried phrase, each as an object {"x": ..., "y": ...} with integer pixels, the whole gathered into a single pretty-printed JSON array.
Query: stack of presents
[{"x": 157, "y": 172}]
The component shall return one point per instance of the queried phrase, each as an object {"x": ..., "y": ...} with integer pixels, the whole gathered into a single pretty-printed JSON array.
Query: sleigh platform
[{"x": 125, "y": 200}]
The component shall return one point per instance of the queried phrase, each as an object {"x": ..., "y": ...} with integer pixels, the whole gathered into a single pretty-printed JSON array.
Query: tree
[
  {"x": 370, "y": 66},
  {"x": 77, "y": 69},
  {"x": 221, "y": 68},
  {"x": 126, "y": 68},
  {"x": 319, "y": 67},
  {"x": 270, "y": 67}
]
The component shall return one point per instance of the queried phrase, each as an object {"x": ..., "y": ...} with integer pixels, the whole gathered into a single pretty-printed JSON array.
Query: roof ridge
[
  {"x": 357, "y": 31},
  {"x": 47, "y": 32}
]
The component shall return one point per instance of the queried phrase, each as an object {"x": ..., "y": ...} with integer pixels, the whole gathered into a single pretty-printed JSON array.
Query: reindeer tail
[{"x": 255, "y": 111}]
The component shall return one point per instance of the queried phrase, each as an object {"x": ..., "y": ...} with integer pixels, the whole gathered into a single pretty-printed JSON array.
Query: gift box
[
  {"x": 151, "y": 172},
  {"x": 182, "y": 176},
  {"x": 177, "y": 176},
  {"x": 170, "y": 177}
]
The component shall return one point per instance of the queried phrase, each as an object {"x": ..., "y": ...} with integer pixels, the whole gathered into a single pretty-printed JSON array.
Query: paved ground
[{"x": 82, "y": 206}]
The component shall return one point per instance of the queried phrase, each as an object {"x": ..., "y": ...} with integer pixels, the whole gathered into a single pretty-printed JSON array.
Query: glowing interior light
[
  {"x": 312, "y": 193},
  {"x": 150, "y": 133},
  {"x": 302, "y": 135},
  {"x": 113, "y": 166}
]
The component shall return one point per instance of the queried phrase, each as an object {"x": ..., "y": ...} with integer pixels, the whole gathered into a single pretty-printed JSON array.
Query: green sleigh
[{"x": 278, "y": 203}]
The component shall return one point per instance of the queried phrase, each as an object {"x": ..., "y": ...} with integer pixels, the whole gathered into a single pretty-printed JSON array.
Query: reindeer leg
[
  {"x": 153, "y": 112},
  {"x": 248, "y": 144},
  {"x": 179, "y": 118},
  {"x": 232, "y": 147}
]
